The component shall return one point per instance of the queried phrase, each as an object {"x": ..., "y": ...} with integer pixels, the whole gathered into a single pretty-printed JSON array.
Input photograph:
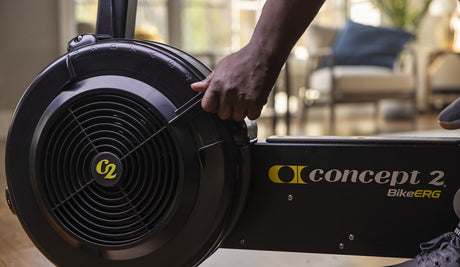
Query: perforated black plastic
[{"x": 108, "y": 214}]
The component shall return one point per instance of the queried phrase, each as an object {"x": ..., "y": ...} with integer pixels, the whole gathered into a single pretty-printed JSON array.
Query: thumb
[{"x": 201, "y": 86}]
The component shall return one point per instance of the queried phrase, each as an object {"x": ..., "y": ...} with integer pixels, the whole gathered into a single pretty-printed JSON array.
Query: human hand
[{"x": 239, "y": 86}]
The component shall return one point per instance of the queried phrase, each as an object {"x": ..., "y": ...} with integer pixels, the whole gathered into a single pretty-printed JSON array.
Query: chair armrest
[
  {"x": 315, "y": 58},
  {"x": 321, "y": 52}
]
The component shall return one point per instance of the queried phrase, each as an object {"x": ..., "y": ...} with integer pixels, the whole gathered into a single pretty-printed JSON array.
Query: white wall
[{"x": 29, "y": 41}]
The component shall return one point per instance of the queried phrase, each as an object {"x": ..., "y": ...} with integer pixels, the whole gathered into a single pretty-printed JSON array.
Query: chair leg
[
  {"x": 414, "y": 114},
  {"x": 302, "y": 118},
  {"x": 332, "y": 119},
  {"x": 274, "y": 116},
  {"x": 377, "y": 116}
]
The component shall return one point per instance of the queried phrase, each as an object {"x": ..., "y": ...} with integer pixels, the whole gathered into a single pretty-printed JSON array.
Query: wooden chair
[{"x": 336, "y": 83}]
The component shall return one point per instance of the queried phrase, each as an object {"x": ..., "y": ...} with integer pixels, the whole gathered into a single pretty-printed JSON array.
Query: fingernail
[{"x": 196, "y": 84}]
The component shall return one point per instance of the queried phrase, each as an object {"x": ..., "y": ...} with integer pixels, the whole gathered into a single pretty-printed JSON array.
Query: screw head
[
  {"x": 290, "y": 198},
  {"x": 8, "y": 201},
  {"x": 341, "y": 246}
]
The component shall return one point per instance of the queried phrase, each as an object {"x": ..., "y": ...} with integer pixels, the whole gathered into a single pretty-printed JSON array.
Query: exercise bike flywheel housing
[{"x": 111, "y": 161}]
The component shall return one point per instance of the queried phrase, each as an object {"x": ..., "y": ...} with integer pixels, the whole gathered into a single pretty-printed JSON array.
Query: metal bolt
[
  {"x": 290, "y": 198},
  {"x": 341, "y": 246},
  {"x": 242, "y": 242},
  {"x": 8, "y": 201},
  {"x": 351, "y": 237}
]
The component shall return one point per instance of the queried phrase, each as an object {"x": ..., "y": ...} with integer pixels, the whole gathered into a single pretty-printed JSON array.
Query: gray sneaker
[
  {"x": 443, "y": 251},
  {"x": 449, "y": 118}
]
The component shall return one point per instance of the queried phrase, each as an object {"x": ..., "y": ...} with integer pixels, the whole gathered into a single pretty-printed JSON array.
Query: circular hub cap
[{"x": 106, "y": 169}]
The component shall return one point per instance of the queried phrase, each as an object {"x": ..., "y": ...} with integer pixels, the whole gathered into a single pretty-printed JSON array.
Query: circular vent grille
[{"x": 108, "y": 169}]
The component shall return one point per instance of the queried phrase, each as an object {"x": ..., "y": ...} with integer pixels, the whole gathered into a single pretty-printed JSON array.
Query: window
[
  {"x": 332, "y": 13},
  {"x": 336, "y": 12},
  {"x": 365, "y": 12},
  {"x": 201, "y": 26},
  {"x": 85, "y": 15},
  {"x": 206, "y": 25},
  {"x": 218, "y": 26},
  {"x": 151, "y": 18}
]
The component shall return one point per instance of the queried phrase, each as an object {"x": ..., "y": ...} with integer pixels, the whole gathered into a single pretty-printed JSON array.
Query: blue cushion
[{"x": 359, "y": 44}]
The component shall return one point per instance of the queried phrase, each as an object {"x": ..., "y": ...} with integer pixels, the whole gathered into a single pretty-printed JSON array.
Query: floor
[
  {"x": 15, "y": 247},
  {"x": 351, "y": 120},
  {"x": 17, "y": 250}
]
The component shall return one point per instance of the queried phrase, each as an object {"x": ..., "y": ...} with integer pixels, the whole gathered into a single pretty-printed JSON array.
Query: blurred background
[{"x": 36, "y": 32}]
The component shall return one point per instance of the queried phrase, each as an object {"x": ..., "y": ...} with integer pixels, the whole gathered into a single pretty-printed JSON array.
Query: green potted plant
[{"x": 404, "y": 14}]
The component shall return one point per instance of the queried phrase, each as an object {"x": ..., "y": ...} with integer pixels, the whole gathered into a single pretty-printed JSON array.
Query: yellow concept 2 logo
[
  {"x": 105, "y": 167},
  {"x": 286, "y": 174}
]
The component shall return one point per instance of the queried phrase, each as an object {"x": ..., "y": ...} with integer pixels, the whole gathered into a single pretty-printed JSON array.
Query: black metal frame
[
  {"x": 116, "y": 18},
  {"x": 316, "y": 204}
]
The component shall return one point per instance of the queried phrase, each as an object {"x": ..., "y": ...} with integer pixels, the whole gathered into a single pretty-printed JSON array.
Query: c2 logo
[
  {"x": 286, "y": 174},
  {"x": 105, "y": 167}
]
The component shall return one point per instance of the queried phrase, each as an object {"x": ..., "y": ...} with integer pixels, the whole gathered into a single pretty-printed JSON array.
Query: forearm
[
  {"x": 281, "y": 24},
  {"x": 240, "y": 84}
]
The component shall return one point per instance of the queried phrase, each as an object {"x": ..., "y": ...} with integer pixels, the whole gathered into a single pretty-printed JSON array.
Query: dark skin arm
[{"x": 241, "y": 82}]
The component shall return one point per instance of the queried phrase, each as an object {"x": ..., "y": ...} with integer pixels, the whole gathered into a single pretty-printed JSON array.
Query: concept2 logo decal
[
  {"x": 107, "y": 168},
  {"x": 300, "y": 174}
]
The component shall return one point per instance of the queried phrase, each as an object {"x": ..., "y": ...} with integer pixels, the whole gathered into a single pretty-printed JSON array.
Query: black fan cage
[{"x": 131, "y": 209}]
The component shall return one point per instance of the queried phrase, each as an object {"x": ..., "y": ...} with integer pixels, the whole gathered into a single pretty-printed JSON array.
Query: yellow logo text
[{"x": 107, "y": 168}]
